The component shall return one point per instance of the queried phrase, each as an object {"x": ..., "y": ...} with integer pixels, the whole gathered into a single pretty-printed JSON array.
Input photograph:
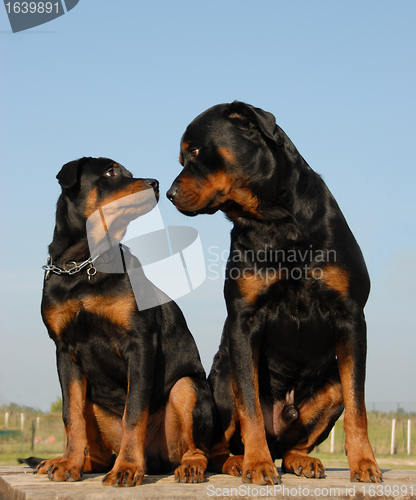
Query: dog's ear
[
  {"x": 68, "y": 175},
  {"x": 265, "y": 121}
]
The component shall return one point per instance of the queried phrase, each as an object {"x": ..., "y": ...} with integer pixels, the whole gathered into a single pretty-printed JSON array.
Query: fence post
[
  {"x": 32, "y": 445},
  {"x": 37, "y": 424},
  {"x": 22, "y": 422},
  {"x": 409, "y": 426},
  {"x": 333, "y": 439},
  {"x": 6, "y": 420},
  {"x": 393, "y": 434}
]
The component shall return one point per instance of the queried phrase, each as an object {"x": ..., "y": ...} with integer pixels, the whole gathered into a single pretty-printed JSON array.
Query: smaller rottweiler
[
  {"x": 132, "y": 380},
  {"x": 293, "y": 349}
]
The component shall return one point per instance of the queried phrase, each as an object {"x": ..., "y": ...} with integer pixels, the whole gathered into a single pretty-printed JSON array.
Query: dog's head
[
  {"x": 104, "y": 193},
  {"x": 232, "y": 156}
]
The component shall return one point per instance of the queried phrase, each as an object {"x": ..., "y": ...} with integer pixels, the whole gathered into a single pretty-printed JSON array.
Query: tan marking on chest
[
  {"x": 117, "y": 310},
  {"x": 252, "y": 285},
  {"x": 59, "y": 315},
  {"x": 336, "y": 278}
]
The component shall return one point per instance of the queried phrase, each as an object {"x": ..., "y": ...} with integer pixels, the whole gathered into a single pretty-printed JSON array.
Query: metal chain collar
[{"x": 76, "y": 268}]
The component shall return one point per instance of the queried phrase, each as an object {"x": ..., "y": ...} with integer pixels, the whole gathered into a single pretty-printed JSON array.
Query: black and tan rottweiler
[
  {"x": 293, "y": 349},
  {"x": 132, "y": 381}
]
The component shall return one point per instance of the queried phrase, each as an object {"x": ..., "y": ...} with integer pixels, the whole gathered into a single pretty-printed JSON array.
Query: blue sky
[{"x": 124, "y": 79}]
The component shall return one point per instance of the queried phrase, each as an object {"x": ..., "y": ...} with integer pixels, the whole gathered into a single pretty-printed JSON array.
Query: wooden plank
[{"x": 18, "y": 483}]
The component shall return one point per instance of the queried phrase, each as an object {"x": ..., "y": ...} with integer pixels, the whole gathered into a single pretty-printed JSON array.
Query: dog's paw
[
  {"x": 59, "y": 469},
  {"x": 366, "y": 471},
  {"x": 234, "y": 466},
  {"x": 303, "y": 465},
  {"x": 44, "y": 465},
  {"x": 127, "y": 474},
  {"x": 260, "y": 473},
  {"x": 190, "y": 472}
]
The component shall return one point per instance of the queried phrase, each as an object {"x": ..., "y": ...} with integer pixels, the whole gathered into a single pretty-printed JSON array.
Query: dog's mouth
[
  {"x": 208, "y": 210},
  {"x": 235, "y": 204},
  {"x": 138, "y": 202},
  {"x": 192, "y": 195},
  {"x": 213, "y": 206},
  {"x": 198, "y": 212}
]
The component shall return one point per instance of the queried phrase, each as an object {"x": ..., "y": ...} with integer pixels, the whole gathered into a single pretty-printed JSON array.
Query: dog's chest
[{"x": 113, "y": 309}]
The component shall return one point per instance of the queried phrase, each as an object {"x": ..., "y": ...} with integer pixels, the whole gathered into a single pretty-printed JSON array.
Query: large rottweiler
[
  {"x": 293, "y": 349},
  {"x": 132, "y": 381}
]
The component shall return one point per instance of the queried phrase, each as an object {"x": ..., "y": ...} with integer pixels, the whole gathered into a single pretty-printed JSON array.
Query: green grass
[
  {"x": 379, "y": 433},
  {"x": 51, "y": 434},
  {"x": 9, "y": 455}
]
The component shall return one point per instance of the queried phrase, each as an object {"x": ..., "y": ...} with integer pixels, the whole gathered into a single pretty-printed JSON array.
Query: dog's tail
[{"x": 31, "y": 461}]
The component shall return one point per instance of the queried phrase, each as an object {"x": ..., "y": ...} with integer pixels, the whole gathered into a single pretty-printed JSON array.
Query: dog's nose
[
  {"x": 152, "y": 183},
  {"x": 173, "y": 191}
]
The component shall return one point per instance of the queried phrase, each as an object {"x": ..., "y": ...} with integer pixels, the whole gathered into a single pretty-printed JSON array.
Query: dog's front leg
[
  {"x": 69, "y": 467},
  {"x": 129, "y": 467},
  {"x": 244, "y": 335},
  {"x": 351, "y": 353}
]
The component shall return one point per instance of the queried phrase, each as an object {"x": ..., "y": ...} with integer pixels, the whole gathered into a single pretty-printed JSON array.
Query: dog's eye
[
  {"x": 111, "y": 172},
  {"x": 194, "y": 152}
]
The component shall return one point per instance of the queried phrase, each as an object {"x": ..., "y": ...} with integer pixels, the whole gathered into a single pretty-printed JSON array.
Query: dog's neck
[
  {"x": 69, "y": 241},
  {"x": 64, "y": 249}
]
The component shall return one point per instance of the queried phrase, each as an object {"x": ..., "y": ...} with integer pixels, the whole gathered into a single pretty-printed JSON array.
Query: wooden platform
[{"x": 18, "y": 483}]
